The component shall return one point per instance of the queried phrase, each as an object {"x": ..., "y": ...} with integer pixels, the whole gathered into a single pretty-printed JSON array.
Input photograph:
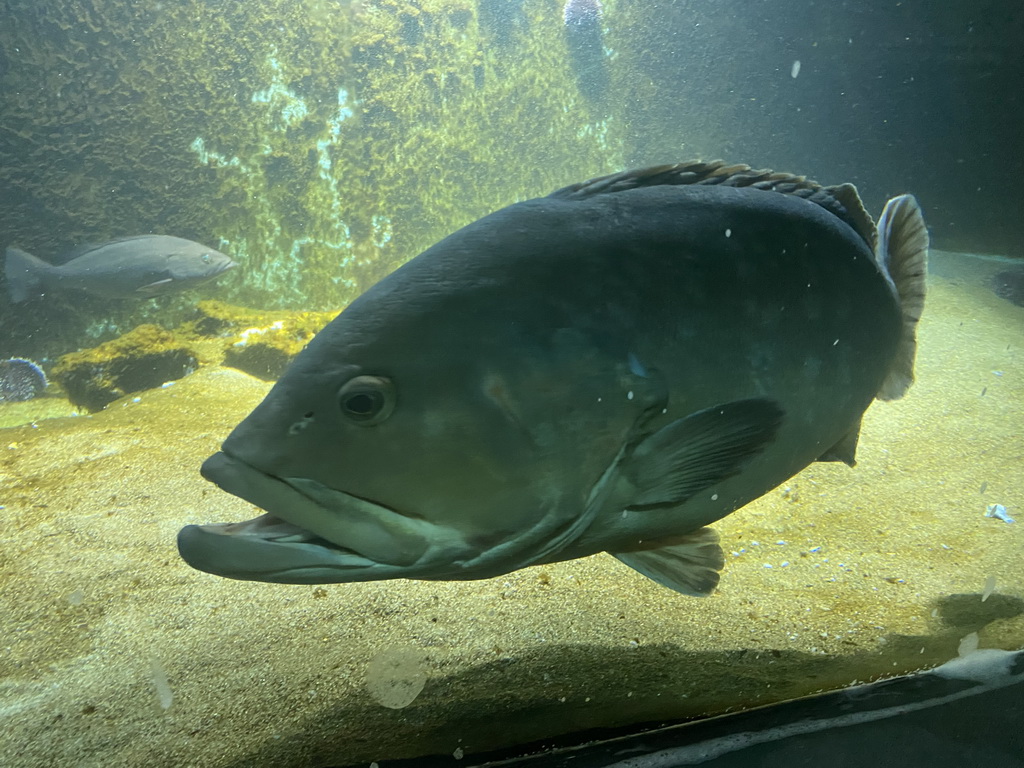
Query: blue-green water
[{"x": 321, "y": 144}]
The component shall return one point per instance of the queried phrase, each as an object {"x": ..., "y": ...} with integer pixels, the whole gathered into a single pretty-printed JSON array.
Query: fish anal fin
[
  {"x": 845, "y": 450},
  {"x": 700, "y": 450},
  {"x": 688, "y": 564},
  {"x": 902, "y": 254}
]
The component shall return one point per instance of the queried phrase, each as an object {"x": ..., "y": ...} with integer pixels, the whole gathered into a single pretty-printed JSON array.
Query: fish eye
[
  {"x": 206, "y": 258},
  {"x": 367, "y": 400}
]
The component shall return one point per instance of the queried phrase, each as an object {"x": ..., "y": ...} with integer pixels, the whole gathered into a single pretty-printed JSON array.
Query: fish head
[
  {"x": 403, "y": 452},
  {"x": 191, "y": 263}
]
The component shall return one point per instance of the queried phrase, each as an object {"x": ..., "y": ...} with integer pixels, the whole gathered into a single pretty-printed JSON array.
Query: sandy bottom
[{"x": 114, "y": 653}]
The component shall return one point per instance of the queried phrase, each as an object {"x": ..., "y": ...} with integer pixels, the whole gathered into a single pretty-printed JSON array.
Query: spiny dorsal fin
[{"x": 841, "y": 201}]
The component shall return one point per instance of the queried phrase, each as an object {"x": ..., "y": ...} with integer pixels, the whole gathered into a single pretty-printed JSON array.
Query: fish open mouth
[{"x": 311, "y": 534}]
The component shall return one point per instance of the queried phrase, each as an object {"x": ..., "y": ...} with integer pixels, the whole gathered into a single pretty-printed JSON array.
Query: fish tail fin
[
  {"x": 24, "y": 274},
  {"x": 902, "y": 254}
]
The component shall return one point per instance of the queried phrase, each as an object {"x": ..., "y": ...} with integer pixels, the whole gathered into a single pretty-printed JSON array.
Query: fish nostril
[{"x": 301, "y": 424}]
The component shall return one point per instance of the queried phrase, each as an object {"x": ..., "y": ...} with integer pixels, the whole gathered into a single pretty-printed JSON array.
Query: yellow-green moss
[
  {"x": 144, "y": 358},
  {"x": 319, "y": 143},
  {"x": 261, "y": 343}
]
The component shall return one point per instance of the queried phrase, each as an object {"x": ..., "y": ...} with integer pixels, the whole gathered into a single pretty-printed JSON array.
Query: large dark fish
[
  {"x": 132, "y": 267},
  {"x": 609, "y": 368}
]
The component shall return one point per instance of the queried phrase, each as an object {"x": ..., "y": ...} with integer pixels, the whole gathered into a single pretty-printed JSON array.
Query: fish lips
[{"x": 312, "y": 534}]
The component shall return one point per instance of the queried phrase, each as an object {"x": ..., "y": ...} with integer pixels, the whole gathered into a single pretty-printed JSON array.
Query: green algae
[
  {"x": 144, "y": 358},
  {"x": 260, "y": 343},
  {"x": 320, "y": 144}
]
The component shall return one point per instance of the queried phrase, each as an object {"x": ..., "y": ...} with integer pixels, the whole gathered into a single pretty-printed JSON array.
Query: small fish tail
[
  {"x": 24, "y": 274},
  {"x": 902, "y": 254}
]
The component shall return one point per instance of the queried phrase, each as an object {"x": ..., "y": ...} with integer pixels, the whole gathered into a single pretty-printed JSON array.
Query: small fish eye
[{"x": 367, "y": 400}]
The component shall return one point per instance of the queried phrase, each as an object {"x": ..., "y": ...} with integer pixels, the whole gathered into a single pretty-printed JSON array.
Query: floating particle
[
  {"x": 395, "y": 677},
  {"x": 969, "y": 644},
  {"x": 163, "y": 688},
  {"x": 990, "y": 586},
  {"x": 998, "y": 511},
  {"x": 795, "y": 69}
]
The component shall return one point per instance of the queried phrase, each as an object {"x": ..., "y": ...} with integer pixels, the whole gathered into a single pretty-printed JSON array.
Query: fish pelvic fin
[
  {"x": 846, "y": 449},
  {"x": 24, "y": 274},
  {"x": 902, "y": 255},
  {"x": 695, "y": 452},
  {"x": 688, "y": 564}
]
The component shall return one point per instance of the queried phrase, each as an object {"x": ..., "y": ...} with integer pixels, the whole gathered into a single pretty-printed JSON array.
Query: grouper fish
[
  {"x": 609, "y": 368},
  {"x": 130, "y": 267}
]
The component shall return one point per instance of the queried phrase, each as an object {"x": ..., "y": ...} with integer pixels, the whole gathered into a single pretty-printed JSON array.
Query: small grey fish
[
  {"x": 131, "y": 267},
  {"x": 609, "y": 368}
]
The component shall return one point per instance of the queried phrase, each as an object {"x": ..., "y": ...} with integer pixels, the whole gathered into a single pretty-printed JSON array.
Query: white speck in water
[
  {"x": 990, "y": 586},
  {"x": 714, "y": 497},
  {"x": 728, "y": 233},
  {"x": 968, "y": 644},
  {"x": 998, "y": 511},
  {"x": 396, "y": 676},
  {"x": 458, "y": 754},
  {"x": 629, "y": 395},
  {"x": 163, "y": 688},
  {"x": 795, "y": 70}
]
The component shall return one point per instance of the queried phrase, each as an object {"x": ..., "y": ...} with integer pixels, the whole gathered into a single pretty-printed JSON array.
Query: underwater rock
[
  {"x": 20, "y": 380},
  {"x": 1009, "y": 285},
  {"x": 262, "y": 343},
  {"x": 144, "y": 358},
  {"x": 585, "y": 41}
]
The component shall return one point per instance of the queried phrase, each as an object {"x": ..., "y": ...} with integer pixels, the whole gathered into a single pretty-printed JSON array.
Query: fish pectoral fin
[
  {"x": 699, "y": 450},
  {"x": 688, "y": 564},
  {"x": 845, "y": 450}
]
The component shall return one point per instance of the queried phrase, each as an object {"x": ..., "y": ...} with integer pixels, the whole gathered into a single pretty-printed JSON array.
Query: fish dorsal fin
[{"x": 842, "y": 201}]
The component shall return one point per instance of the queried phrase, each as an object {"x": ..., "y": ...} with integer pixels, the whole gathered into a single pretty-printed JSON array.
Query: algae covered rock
[
  {"x": 262, "y": 343},
  {"x": 143, "y": 358}
]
